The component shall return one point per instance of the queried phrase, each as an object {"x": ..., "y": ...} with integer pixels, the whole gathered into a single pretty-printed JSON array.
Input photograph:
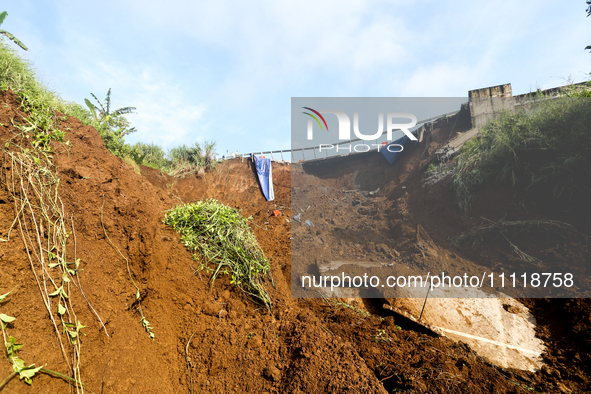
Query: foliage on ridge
[
  {"x": 17, "y": 74},
  {"x": 542, "y": 151}
]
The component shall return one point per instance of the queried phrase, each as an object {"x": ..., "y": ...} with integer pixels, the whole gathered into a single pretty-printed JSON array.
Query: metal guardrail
[
  {"x": 244, "y": 155},
  {"x": 303, "y": 150}
]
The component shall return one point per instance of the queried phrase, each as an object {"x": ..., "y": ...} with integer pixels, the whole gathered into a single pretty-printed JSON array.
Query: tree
[
  {"x": 115, "y": 121},
  {"x": 10, "y": 36},
  {"x": 111, "y": 125}
]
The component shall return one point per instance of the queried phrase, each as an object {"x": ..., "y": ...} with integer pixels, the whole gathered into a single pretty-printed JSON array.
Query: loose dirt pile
[{"x": 213, "y": 340}]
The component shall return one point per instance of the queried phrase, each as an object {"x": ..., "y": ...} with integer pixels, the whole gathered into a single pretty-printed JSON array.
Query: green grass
[
  {"x": 151, "y": 155},
  {"x": 223, "y": 242},
  {"x": 359, "y": 311},
  {"x": 17, "y": 74},
  {"x": 506, "y": 229},
  {"x": 542, "y": 152},
  {"x": 180, "y": 161},
  {"x": 476, "y": 234}
]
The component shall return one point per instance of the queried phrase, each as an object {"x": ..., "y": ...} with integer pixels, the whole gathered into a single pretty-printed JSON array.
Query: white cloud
[
  {"x": 269, "y": 42},
  {"x": 246, "y": 59},
  {"x": 164, "y": 116}
]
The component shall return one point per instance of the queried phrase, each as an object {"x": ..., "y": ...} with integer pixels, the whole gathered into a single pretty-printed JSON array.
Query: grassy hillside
[
  {"x": 543, "y": 152},
  {"x": 18, "y": 75}
]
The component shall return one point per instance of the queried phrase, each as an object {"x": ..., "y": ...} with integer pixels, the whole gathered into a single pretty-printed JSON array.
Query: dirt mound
[
  {"x": 240, "y": 350},
  {"x": 210, "y": 339},
  {"x": 371, "y": 217}
]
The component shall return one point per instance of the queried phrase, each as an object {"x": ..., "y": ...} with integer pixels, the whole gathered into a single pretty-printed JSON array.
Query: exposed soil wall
[{"x": 306, "y": 346}]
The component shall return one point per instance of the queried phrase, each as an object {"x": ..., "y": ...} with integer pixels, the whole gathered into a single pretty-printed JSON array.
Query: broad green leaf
[
  {"x": 92, "y": 108},
  {"x": 57, "y": 292},
  {"x": 3, "y": 296},
  {"x": 17, "y": 364},
  {"x": 6, "y": 318},
  {"x": 60, "y": 309},
  {"x": 13, "y": 343},
  {"x": 28, "y": 372}
]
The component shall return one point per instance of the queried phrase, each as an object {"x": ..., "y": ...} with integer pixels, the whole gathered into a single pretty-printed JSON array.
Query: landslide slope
[
  {"x": 242, "y": 349},
  {"x": 210, "y": 339},
  {"x": 366, "y": 210}
]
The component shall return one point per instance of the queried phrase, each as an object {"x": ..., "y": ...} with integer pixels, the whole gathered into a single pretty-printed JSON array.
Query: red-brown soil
[{"x": 305, "y": 346}]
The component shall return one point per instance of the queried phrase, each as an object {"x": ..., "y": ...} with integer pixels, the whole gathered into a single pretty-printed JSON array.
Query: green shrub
[
  {"x": 186, "y": 160},
  {"x": 150, "y": 155},
  {"x": 222, "y": 241}
]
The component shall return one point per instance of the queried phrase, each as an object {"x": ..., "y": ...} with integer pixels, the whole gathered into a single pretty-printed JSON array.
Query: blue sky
[{"x": 226, "y": 70}]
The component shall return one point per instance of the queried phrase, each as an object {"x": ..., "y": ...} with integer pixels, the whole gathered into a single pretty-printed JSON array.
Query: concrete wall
[{"x": 485, "y": 102}]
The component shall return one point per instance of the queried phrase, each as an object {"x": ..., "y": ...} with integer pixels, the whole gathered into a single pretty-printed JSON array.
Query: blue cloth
[
  {"x": 265, "y": 175},
  {"x": 392, "y": 156}
]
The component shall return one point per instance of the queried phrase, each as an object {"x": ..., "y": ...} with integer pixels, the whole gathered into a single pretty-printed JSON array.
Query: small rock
[
  {"x": 383, "y": 248},
  {"x": 211, "y": 309},
  {"x": 271, "y": 373},
  {"x": 304, "y": 316},
  {"x": 255, "y": 342}
]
